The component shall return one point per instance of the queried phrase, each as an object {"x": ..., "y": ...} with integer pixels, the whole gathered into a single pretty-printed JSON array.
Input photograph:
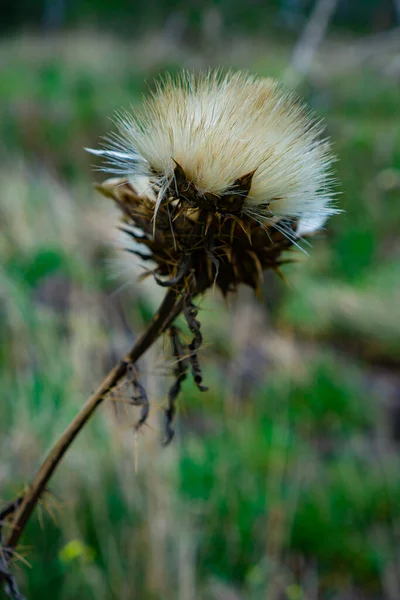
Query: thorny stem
[{"x": 168, "y": 311}]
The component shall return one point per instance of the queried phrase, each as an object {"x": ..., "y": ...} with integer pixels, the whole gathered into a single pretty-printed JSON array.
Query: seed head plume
[{"x": 234, "y": 142}]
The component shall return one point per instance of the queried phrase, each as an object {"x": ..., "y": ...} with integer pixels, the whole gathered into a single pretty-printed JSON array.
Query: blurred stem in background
[{"x": 312, "y": 36}]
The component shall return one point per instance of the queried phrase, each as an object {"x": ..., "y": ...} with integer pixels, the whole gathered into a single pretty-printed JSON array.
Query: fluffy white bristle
[{"x": 221, "y": 127}]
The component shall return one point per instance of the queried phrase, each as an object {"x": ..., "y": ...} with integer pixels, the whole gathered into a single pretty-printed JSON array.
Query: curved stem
[{"x": 168, "y": 311}]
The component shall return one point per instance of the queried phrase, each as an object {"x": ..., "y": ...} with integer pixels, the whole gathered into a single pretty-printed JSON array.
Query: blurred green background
[{"x": 283, "y": 482}]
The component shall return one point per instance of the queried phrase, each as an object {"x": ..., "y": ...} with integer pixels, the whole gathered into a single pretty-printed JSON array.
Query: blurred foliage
[
  {"x": 284, "y": 479},
  {"x": 190, "y": 19}
]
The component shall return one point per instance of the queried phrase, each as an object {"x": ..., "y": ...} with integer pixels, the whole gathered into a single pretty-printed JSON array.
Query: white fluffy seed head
[{"x": 219, "y": 128}]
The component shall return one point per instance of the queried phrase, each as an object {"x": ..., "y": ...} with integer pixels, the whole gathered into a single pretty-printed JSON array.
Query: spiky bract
[{"x": 201, "y": 248}]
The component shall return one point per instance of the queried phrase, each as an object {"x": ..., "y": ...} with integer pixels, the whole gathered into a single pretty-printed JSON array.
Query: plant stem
[{"x": 168, "y": 311}]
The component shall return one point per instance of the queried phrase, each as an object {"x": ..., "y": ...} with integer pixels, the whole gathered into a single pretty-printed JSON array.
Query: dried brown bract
[{"x": 196, "y": 248}]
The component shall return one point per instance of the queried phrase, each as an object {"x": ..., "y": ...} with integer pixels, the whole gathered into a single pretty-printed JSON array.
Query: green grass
[{"x": 283, "y": 480}]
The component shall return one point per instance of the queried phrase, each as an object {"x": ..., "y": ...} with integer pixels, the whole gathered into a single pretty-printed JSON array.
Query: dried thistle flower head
[{"x": 220, "y": 174}]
